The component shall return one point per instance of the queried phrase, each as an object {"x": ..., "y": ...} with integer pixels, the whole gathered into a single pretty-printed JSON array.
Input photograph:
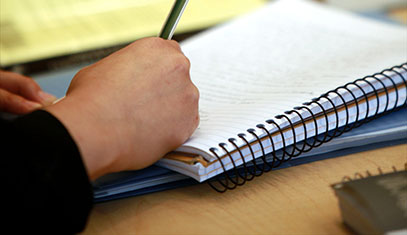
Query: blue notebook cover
[{"x": 388, "y": 130}]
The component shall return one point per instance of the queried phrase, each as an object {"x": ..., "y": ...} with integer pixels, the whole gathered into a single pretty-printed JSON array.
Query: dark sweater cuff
[{"x": 58, "y": 188}]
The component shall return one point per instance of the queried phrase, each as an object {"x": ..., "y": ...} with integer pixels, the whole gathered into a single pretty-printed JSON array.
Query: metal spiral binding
[
  {"x": 358, "y": 175},
  {"x": 238, "y": 176}
]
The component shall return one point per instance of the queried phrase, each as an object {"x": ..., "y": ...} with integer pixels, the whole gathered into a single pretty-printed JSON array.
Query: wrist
[{"x": 91, "y": 136}]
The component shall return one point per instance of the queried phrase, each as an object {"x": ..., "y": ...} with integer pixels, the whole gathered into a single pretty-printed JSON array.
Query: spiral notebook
[
  {"x": 388, "y": 130},
  {"x": 285, "y": 79}
]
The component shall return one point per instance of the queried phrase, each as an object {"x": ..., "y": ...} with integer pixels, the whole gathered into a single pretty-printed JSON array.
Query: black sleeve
[{"x": 46, "y": 184}]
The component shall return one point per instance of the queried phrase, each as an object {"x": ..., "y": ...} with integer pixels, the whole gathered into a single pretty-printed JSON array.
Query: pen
[{"x": 172, "y": 19}]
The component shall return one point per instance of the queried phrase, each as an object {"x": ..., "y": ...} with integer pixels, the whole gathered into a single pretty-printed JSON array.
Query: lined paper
[{"x": 258, "y": 66}]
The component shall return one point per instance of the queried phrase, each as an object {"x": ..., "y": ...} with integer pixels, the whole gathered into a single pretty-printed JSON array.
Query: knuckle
[
  {"x": 182, "y": 65},
  {"x": 194, "y": 96},
  {"x": 187, "y": 63},
  {"x": 190, "y": 99},
  {"x": 194, "y": 92},
  {"x": 190, "y": 95}
]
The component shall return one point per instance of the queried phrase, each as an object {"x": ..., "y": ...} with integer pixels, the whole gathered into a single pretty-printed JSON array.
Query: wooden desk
[{"x": 296, "y": 200}]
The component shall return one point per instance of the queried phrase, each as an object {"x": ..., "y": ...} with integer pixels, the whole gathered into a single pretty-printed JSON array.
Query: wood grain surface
[{"x": 295, "y": 200}]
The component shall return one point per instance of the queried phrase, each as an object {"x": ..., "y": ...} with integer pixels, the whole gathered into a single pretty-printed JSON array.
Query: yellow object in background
[
  {"x": 37, "y": 29},
  {"x": 399, "y": 14}
]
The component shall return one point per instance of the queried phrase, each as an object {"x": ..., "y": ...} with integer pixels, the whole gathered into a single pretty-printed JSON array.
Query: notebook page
[
  {"x": 201, "y": 173},
  {"x": 263, "y": 64}
]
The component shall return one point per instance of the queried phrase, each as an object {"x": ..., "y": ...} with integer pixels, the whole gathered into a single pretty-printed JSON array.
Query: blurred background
[{"x": 38, "y": 36}]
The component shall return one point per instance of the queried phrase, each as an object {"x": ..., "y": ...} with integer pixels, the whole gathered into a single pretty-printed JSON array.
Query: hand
[
  {"x": 20, "y": 94},
  {"x": 128, "y": 110}
]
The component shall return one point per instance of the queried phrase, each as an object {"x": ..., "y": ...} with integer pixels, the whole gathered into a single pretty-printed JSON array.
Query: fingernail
[
  {"x": 46, "y": 98},
  {"x": 32, "y": 105}
]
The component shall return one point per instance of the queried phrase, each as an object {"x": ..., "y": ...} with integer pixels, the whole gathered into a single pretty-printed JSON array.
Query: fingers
[
  {"x": 16, "y": 104},
  {"x": 24, "y": 87}
]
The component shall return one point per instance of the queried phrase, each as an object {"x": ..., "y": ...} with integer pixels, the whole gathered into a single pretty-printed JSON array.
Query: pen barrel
[{"x": 173, "y": 18}]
